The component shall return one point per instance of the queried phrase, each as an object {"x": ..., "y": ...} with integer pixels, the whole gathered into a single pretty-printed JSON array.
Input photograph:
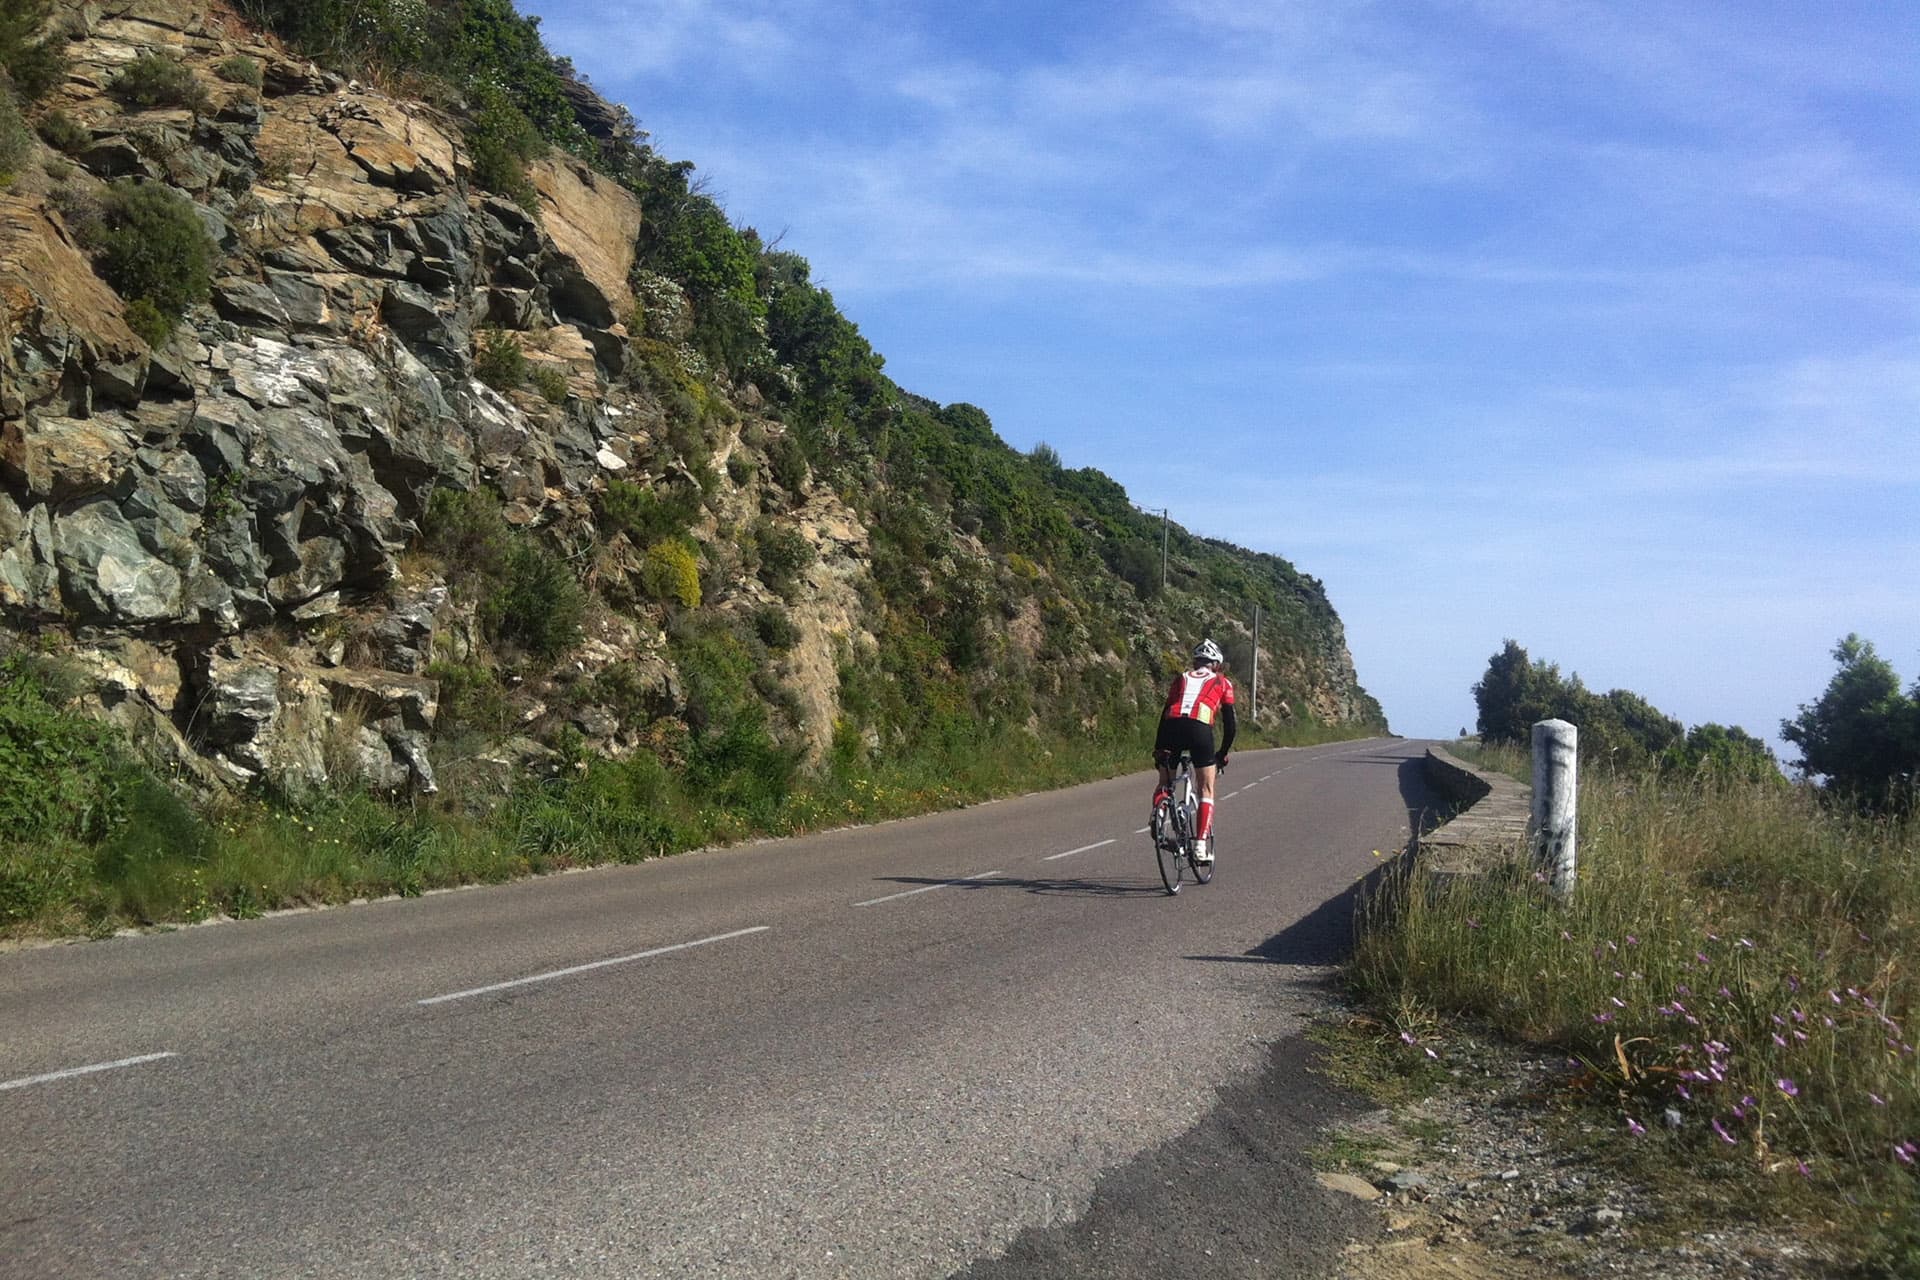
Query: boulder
[
  {"x": 59, "y": 459},
  {"x": 106, "y": 573},
  {"x": 240, "y": 701}
]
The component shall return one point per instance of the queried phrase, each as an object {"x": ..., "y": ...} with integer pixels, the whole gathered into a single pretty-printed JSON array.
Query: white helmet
[{"x": 1207, "y": 651}]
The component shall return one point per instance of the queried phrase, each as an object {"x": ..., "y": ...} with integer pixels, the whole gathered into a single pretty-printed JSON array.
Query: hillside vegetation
[{"x": 419, "y": 479}]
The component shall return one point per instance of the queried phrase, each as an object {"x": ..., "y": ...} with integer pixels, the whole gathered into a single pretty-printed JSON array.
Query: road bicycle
[{"x": 1173, "y": 833}]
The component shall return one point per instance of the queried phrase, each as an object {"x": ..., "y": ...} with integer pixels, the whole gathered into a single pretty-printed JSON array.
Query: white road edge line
[
  {"x": 1142, "y": 831},
  {"x": 1082, "y": 849},
  {"x": 83, "y": 1071},
  {"x": 597, "y": 964},
  {"x": 926, "y": 888}
]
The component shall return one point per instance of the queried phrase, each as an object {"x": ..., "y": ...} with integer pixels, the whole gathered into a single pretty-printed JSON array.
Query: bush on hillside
[
  {"x": 523, "y": 593},
  {"x": 155, "y": 80},
  {"x": 501, "y": 142},
  {"x": 34, "y": 66},
  {"x": 63, "y": 133},
  {"x": 671, "y": 572},
  {"x": 240, "y": 69},
  {"x": 785, "y": 554},
  {"x": 648, "y": 515},
  {"x": 498, "y": 360},
  {"x": 15, "y": 138},
  {"x": 147, "y": 242}
]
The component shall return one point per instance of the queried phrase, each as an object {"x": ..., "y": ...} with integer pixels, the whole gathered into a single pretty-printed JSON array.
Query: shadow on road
[
  {"x": 1083, "y": 888},
  {"x": 1324, "y": 936}
]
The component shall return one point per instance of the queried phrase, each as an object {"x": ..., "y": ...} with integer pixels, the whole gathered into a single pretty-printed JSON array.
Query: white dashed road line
[
  {"x": 82, "y": 1071},
  {"x": 926, "y": 888},
  {"x": 1082, "y": 849},
  {"x": 597, "y": 964}
]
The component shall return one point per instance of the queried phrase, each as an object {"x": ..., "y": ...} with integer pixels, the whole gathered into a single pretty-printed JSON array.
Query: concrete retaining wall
[{"x": 1491, "y": 826}]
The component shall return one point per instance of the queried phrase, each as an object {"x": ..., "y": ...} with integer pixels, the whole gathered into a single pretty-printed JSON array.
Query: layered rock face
[{"x": 225, "y": 527}]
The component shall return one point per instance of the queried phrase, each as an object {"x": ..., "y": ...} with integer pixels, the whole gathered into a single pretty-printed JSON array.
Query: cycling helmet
[{"x": 1207, "y": 651}]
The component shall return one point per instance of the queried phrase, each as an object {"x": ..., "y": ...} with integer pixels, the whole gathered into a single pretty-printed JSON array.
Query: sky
[{"x": 1591, "y": 325}]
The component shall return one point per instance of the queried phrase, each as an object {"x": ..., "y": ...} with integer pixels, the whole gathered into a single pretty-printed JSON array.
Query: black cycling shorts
[{"x": 1183, "y": 733}]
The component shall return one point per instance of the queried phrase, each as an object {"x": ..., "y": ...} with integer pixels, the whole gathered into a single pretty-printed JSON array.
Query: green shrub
[
  {"x": 240, "y": 69},
  {"x": 740, "y": 468},
  {"x": 785, "y": 554},
  {"x": 63, "y": 133},
  {"x": 540, "y": 604},
  {"x": 34, "y": 66},
  {"x": 775, "y": 629},
  {"x": 154, "y": 80},
  {"x": 145, "y": 320},
  {"x": 523, "y": 592},
  {"x": 551, "y": 383},
  {"x": 672, "y": 572},
  {"x": 467, "y": 530},
  {"x": 648, "y": 515},
  {"x": 500, "y": 143},
  {"x": 471, "y": 697},
  {"x": 149, "y": 244},
  {"x": 788, "y": 460},
  {"x": 15, "y": 137},
  {"x": 499, "y": 361}
]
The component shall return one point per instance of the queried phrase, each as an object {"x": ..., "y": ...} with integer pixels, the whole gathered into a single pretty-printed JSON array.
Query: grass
[
  {"x": 1730, "y": 981},
  {"x": 154, "y": 860}
]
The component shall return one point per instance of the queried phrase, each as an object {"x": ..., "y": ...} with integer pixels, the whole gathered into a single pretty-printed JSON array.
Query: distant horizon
[{"x": 1591, "y": 329}]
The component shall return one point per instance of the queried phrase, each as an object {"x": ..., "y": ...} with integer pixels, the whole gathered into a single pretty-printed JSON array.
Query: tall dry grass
[{"x": 1734, "y": 975}]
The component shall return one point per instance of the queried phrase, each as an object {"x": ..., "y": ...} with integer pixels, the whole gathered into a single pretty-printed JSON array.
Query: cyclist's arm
[{"x": 1228, "y": 726}]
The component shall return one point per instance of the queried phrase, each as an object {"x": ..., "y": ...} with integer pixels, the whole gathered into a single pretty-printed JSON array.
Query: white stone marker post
[{"x": 1556, "y": 763}]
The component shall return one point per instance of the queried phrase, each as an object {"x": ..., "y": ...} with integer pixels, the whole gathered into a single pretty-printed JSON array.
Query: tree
[
  {"x": 1513, "y": 694},
  {"x": 1730, "y": 754},
  {"x": 1863, "y": 735}
]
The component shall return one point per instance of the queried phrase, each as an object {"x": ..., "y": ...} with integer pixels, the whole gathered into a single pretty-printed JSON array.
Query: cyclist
[{"x": 1197, "y": 698}]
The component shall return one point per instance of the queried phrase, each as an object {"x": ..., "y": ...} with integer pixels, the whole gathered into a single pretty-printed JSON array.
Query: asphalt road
[{"x": 982, "y": 1041}]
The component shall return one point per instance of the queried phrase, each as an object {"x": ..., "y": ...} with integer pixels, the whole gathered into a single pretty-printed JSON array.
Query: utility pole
[
  {"x": 1166, "y": 514},
  {"x": 1256, "y": 663}
]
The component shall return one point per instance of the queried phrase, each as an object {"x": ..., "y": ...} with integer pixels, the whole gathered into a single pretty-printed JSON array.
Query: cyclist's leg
[
  {"x": 1204, "y": 774},
  {"x": 1165, "y": 748}
]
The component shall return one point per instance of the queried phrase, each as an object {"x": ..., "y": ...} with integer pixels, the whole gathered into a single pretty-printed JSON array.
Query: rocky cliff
[{"x": 427, "y": 481}]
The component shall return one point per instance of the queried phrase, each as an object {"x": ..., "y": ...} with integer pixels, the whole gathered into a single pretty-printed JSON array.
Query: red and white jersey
[{"x": 1199, "y": 695}]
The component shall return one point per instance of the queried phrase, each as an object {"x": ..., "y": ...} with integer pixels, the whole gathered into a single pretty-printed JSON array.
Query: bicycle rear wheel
[{"x": 1166, "y": 850}]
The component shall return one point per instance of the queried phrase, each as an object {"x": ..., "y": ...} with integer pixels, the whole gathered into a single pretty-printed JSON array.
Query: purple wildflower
[
  {"x": 1786, "y": 1085},
  {"x": 1635, "y": 1127},
  {"x": 1603, "y": 1017},
  {"x": 1876, "y": 1099},
  {"x": 1725, "y": 1137}
]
